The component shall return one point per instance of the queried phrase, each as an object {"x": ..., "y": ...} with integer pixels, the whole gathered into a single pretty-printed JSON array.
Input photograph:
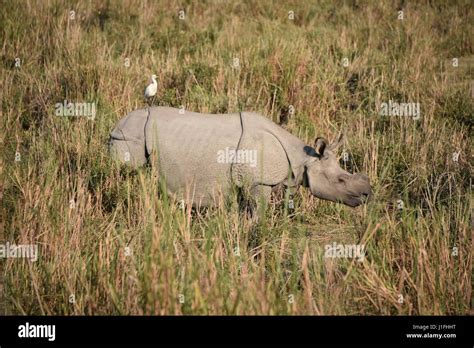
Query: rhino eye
[{"x": 343, "y": 178}]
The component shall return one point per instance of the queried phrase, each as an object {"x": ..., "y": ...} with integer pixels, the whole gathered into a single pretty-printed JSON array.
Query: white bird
[{"x": 152, "y": 88}]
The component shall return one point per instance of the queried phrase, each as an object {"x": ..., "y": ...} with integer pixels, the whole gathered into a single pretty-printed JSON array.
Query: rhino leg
[
  {"x": 260, "y": 197},
  {"x": 261, "y": 193}
]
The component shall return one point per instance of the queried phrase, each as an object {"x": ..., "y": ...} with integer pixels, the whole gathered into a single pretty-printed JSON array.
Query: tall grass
[{"x": 109, "y": 237}]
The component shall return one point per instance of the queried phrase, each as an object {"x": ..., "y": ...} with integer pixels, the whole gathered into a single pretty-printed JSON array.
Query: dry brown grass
[{"x": 177, "y": 254}]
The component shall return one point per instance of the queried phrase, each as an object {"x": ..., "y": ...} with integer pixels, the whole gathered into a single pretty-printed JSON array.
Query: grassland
[{"x": 110, "y": 238}]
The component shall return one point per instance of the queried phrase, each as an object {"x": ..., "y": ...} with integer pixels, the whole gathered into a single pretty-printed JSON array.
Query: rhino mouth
[
  {"x": 350, "y": 199},
  {"x": 358, "y": 191},
  {"x": 359, "y": 199}
]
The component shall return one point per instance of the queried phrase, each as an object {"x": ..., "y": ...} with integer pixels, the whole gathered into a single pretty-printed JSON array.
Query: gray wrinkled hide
[
  {"x": 187, "y": 145},
  {"x": 128, "y": 139}
]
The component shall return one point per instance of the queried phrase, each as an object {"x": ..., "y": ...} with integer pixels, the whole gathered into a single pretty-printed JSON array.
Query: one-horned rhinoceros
[{"x": 201, "y": 156}]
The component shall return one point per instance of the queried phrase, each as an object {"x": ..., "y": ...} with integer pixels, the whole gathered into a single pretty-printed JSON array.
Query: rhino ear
[
  {"x": 320, "y": 145},
  {"x": 335, "y": 145}
]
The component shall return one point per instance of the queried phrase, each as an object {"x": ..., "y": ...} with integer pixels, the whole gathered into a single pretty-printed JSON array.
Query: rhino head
[{"x": 327, "y": 180}]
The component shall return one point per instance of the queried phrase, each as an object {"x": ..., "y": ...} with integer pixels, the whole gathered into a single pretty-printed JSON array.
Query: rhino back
[{"x": 188, "y": 146}]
